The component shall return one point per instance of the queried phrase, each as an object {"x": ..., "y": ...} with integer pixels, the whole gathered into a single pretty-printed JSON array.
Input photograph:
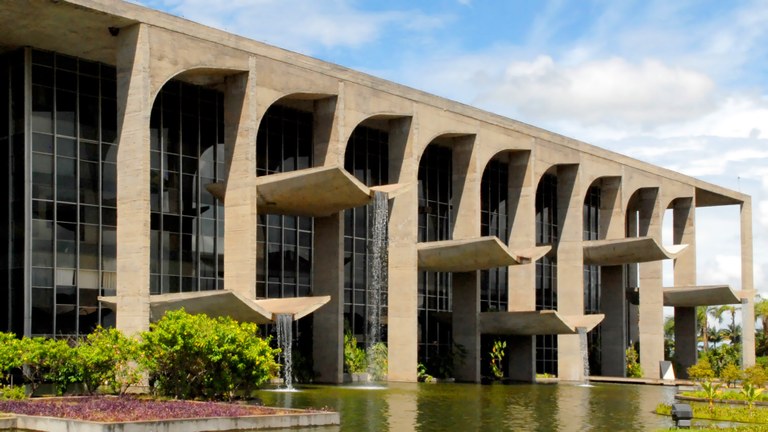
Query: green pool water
[{"x": 468, "y": 407}]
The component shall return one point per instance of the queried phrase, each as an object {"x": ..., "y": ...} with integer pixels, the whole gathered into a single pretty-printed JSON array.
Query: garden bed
[{"x": 129, "y": 413}]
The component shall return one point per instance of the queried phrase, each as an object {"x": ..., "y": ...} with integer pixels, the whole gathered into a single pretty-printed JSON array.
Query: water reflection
[{"x": 433, "y": 407}]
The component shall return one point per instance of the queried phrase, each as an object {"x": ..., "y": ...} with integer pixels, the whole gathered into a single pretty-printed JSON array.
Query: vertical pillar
[
  {"x": 570, "y": 268},
  {"x": 684, "y": 214},
  {"x": 613, "y": 296},
  {"x": 651, "y": 309},
  {"x": 747, "y": 286},
  {"x": 240, "y": 217},
  {"x": 614, "y": 326},
  {"x": 521, "y": 209},
  {"x": 328, "y": 324},
  {"x": 134, "y": 101},
  {"x": 402, "y": 296},
  {"x": 467, "y": 177}
]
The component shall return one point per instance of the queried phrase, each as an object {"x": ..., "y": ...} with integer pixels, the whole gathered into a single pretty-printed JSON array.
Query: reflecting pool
[{"x": 469, "y": 407}]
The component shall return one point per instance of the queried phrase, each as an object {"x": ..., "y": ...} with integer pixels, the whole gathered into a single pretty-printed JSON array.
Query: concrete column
[
  {"x": 134, "y": 101},
  {"x": 614, "y": 326},
  {"x": 570, "y": 268},
  {"x": 521, "y": 208},
  {"x": 684, "y": 232},
  {"x": 613, "y": 296},
  {"x": 402, "y": 297},
  {"x": 522, "y": 358},
  {"x": 467, "y": 177},
  {"x": 651, "y": 312},
  {"x": 240, "y": 217},
  {"x": 466, "y": 324},
  {"x": 328, "y": 324},
  {"x": 685, "y": 340},
  {"x": 747, "y": 285}
]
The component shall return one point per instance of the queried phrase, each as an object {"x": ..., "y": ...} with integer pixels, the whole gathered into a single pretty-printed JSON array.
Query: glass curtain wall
[
  {"x": 435, "y": 193},
  {"x": 367, "y": 158},
  {"x": 187, "y": 222},
  {"x": 284, "y": 260},
  {"x": 71, "y": 222},
  {"x": 592, "y": 286},
  {"x": 546, "y": 270},
  {"x": 494, "y": 283}
]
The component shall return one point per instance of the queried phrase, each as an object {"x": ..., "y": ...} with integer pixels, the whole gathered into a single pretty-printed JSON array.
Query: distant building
[{"x": 152, "y": 161}]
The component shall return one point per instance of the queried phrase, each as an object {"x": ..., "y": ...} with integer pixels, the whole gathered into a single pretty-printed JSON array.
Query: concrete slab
[
  {"x": 294, "y": 418},
  {"x": 315, "y": 192},
  {"x": 464, "y": 255},
  {"x": 706, "y": 295},
  {"x": 229, "y": 303},
  {"x": 535, "y": 323},
  {"x": 628, "y": 250}
]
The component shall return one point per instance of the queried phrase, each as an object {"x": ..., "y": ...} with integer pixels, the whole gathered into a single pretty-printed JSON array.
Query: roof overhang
[
  {"x": 628, "y": 250},
  {"x": 229, "y": 303},
  {"x": 708, "y": 295},
  {"x": 531, "y": 323},
  {"x": 315, "y": 192},
  {"x": 472, "y": 254}
]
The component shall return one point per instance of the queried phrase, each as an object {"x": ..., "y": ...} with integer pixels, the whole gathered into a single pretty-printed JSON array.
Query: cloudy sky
[{"x": 682, "y": 84}]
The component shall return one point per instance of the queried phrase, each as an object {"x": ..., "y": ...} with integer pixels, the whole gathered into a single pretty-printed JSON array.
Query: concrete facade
[{"x": 149, "y": 49}]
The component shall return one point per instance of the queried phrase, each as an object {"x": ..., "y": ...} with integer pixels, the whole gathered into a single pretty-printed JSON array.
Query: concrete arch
[
  {"x": 438, "y": 136},
  {"x": 199, "y": 75},
  {"x": 382, "y": 116}
]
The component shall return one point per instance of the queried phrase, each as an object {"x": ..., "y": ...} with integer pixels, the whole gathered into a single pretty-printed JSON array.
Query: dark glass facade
[
  {"x": 187, "y": 222},
  {"x": 434, "y": 304},
  {"x": 59, "y": 127},
  {"x": 546, "y": 269},
  {"x": 592, "y": 287},
  {"x": 367, "y": 158},
  {"x": 284, "y": 260},
  {"x": 494, "y": 283}
]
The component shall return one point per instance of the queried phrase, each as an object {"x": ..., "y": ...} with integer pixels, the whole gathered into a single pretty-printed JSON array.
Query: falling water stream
[
  {"x": 584, "y": 347},
  {"x": 285, "y": 341},
  {"x": 378, "y": 268}
]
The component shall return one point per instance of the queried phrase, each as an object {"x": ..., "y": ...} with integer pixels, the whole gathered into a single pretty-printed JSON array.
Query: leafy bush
[
  {"x": 634, "y": 370},
  {"x": 12, "y": 393},
  {"x": 730, "y": 374},
  {"x": 355, "y": 360},
  {"x": 497, "y": 355},
  {"x": 195, "y": 356},
  {"x": 10, "y": 357},
  {"x": 378, "y": 363},
  {"x": 722, "y": 356},
  {"x": 47, "y": 360},
  {"x": 107, "y": 357},
  {"x": 701, "y": 371},
  {"x": 755, "y": 375}
]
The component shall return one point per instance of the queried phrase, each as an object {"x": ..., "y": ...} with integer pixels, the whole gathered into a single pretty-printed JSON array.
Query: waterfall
[
  {"x": 584, "y": 347},
  {"x": 285, "y": 341},
  {"x": 378, "y": 268}
]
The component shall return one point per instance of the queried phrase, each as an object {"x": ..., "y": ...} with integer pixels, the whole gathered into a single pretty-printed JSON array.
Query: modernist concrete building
[{"x": 151, "y": 162}]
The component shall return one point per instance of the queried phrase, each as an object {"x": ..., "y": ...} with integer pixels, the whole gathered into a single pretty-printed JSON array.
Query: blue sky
[{"x": 681, "y": 84}]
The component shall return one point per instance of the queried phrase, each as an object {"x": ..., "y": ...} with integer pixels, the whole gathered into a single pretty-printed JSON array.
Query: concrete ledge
[
  {"x": 299, "y": 419},
  {"x": 692, "y": 296},
  {"x": 7, "y": 422}
]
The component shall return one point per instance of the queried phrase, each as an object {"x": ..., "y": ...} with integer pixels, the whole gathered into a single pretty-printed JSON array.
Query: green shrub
[
  {"x": 755, "y": 375},
  {"x": 107, "y": 357},
  {"x": 355, "y": 360},
  {"x": 10, "y": 355},
  {"x": 194, "y": 356},
  {"x": 12, "y": 393},
  {"x": 730, "y": 374},
  {"x": 701, "y": 371},
  {"x": 722, "y": 356},
  {"x": 47, "y": 360},
  {"x": 634, "y": 370},
  {"x": 378, "y": 363},
  {"x": 497, "y": 355}
]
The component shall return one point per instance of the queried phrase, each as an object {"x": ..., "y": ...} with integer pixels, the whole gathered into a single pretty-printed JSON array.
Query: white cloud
[{"x": 301, "y": 25}]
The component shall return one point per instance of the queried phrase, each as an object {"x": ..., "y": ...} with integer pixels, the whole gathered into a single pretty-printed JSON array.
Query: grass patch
[{"x": 727, "y": 413}]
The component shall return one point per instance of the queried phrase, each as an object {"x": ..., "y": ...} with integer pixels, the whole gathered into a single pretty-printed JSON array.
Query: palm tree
[{"x": 761, "y": 313}]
